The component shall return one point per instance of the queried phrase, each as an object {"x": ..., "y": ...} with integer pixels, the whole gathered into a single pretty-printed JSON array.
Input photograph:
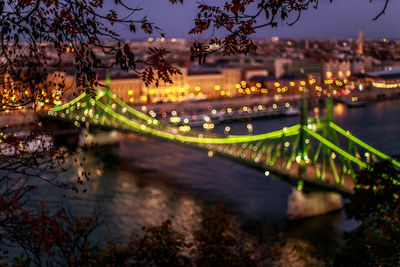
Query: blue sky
[{"x": 340, "y": 19}]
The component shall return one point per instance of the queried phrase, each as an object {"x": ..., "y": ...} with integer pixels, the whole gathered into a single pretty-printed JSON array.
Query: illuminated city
[{"x": 220, "y": 146}]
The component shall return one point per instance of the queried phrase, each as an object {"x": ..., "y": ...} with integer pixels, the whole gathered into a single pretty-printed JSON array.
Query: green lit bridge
[{"x": 314, "y": 155}]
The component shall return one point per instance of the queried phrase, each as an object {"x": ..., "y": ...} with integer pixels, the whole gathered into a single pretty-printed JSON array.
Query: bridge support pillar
[
  {"x": 101, "y": 138},
  {"x": 303, "y": 205}
]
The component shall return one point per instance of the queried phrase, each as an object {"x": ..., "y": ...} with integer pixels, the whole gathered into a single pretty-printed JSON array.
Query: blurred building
[
  {"x": 192, "y": 85},
  {"x": 360, "y": 42}
]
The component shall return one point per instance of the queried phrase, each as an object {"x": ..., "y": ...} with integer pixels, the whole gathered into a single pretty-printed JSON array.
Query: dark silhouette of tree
[
  {"x": 376, "y": 204},
  {"x": 50, "y": 239},
  {"x": 62, "y": 240},
  {"x": 217, "y": 242},
  {"x": 40, "y": 37}
]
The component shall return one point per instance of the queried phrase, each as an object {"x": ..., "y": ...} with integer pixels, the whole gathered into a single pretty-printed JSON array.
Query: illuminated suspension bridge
[{"x": 315, "y": 154}]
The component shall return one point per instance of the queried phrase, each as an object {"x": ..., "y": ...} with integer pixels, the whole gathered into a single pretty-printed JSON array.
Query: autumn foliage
[
  {"x": 50, "y": 239},
  {"x": 41, "y": 37}
]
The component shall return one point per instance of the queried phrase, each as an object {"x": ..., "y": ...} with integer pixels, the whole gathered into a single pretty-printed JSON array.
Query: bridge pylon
[
  {"x": 88, "y": 102},
  {"x": 302, "y": 157},
  {"x": 108, "y": 83}
]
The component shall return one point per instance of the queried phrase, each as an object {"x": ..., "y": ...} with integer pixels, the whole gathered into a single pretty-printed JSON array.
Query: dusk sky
[{"x": 340, "y": 19}]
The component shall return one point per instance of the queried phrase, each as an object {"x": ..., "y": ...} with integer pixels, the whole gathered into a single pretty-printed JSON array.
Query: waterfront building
[
  {"x": 194, "y": 84},
  {"x": 380, "y": 84},
  {"x": 127, "y": 86}
]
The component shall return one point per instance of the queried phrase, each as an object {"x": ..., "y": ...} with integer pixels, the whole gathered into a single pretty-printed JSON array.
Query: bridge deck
[{"x": 309, "y": 176}]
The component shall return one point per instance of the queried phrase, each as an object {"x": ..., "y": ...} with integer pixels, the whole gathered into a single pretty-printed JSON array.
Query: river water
[{"x": 144, "y": 181}]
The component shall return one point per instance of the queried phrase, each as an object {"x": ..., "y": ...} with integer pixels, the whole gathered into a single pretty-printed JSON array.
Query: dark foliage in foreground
[
  {"x": 376, "y": 203},
  {"x": 61, "y": 240}
]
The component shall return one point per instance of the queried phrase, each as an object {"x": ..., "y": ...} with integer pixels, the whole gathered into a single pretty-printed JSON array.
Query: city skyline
[{"x": 336, "y": 20}]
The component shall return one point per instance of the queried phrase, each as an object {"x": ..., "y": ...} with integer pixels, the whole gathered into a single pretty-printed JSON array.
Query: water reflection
[
  {"x": 126, "y": 200},
  {"x": 339, "y": 110}
]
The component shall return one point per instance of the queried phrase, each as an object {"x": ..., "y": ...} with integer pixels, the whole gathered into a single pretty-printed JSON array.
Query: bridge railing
[{"x": 362, "y": 144}]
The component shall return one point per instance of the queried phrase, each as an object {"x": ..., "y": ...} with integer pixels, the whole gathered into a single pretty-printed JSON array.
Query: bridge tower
[
  {"x": 302, "y": 204},
  {"x": 108, "y": 82},
  {"x": 303, "y": 135},
  {"x": 302, "y": 157},
  {"x": 107, "y": 92},
  {"x": 98, "y": 137},
  {"x": 329, "y": 134},
  {"x": 88, "y": 98}
]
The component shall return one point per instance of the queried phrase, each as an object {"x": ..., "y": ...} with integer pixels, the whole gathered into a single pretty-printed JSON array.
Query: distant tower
[
  {"x": 307, "y": 44},
  {"x": 335, "y": 42},
  {"x": 360, "y": 42}
]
